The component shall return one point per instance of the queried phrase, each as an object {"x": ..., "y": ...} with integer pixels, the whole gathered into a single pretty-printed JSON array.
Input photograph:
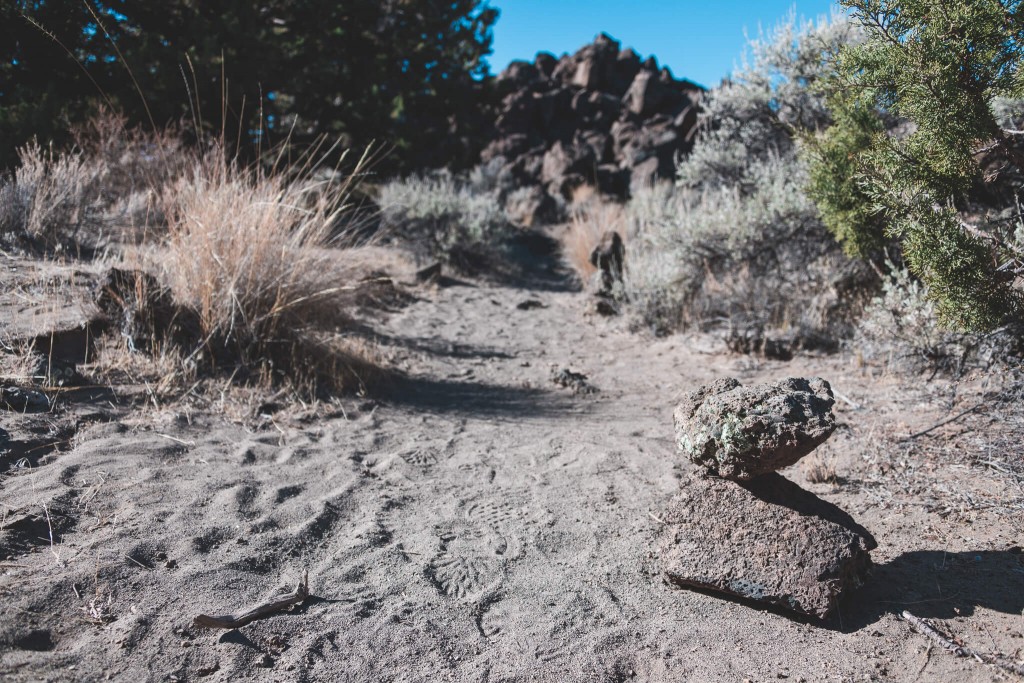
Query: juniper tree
[{"x": 913, "y": 121}]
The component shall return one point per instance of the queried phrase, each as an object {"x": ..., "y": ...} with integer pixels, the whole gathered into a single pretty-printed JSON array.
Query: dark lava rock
[
  {"x": 766, "y": 540},
  {"x": 23, "y": 400},
  {"x": 576, "y": 381},
  {"x": 600, "y": 116},
  {"x": 607, "y": 257},
  {"x": 741, "y": 432},
  {"x": 144, "y": 311}
]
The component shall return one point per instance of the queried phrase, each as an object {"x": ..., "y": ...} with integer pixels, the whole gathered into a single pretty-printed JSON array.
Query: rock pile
[
  {"x": 601, "y": 116},
  {"x": 737, "y": 526}
]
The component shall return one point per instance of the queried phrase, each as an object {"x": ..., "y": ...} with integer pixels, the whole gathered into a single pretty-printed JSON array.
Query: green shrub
[
  {"x": 457, "y": 221},
  {"x": 939, "y": 67},
  {"x": 901, "y": 329}
]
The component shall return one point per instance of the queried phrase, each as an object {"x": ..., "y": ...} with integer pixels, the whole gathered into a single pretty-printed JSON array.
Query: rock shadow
[
  {"x": 935, "y": 584},
  {"x": 477, "y": 399}
]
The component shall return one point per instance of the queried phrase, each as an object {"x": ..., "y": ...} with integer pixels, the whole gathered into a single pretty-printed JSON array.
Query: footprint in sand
[
  {"x": 459, "y": 575},
  {"x": 479, "y": 545},
  {"x": 419, "y": 457}
]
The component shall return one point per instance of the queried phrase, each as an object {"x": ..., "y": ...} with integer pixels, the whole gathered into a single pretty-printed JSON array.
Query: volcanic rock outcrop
[
  {"x": 602, "y": 117},
  {"x": 740, "y": 528}
]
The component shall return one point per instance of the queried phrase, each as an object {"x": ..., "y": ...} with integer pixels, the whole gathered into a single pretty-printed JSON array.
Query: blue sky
[{"x": 701, "y": 41}]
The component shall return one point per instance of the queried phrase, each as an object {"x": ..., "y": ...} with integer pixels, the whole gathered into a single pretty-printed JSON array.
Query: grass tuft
[{"x": 249, "y": 252}]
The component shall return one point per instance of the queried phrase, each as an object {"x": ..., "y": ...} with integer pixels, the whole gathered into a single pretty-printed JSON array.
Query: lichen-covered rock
[
  {"x": 741, "y": 432},
  {"x": 766, "y": 540}
]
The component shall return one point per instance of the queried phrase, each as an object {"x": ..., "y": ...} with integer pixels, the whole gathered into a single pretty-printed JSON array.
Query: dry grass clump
[
  {"x": 137, "y": 164},
  {"x": 246, "y": 252},
  {"x": 820, "y": 469},
  {"x": 247, "y": 272},
  {"x": 67, "y": 201},
  {"x": 51, "y": 198},
  {"x": 590, "y": 218}
]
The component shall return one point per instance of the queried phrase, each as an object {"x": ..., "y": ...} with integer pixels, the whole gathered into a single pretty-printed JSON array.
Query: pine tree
[
  {"x": 912, "y": 110},
  {"x": 407, "y": 74}
]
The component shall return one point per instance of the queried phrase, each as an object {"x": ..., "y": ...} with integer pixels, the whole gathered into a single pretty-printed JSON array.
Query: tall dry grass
[
  {"x": 51, "y": 198},
  {"x": 247, "y": 251},
  {"x": 590, "y": 217}
]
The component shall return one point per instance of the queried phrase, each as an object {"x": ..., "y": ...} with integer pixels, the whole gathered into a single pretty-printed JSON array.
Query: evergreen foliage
[
  {"x": 913, "y": 121},
  {"x": 402, "y": 72}
]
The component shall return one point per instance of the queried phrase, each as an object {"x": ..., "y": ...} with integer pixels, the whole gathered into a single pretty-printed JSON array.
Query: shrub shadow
[
  {"x": 437, "y": 346},
  {"x": 473, "y": 399}
]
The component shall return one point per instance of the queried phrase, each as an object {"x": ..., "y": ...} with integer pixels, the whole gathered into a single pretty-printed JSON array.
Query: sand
[{"x": 480, "y": 523}]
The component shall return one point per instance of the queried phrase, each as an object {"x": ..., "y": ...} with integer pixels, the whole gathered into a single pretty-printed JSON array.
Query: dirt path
[{"x": 481, "y": 524}]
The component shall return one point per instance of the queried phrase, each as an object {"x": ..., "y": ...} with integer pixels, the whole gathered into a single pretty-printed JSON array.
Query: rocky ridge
[{"x": 602, "y": 117}]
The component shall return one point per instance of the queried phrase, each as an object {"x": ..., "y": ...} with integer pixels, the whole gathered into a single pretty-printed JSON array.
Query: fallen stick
[
  {"x": 926, "y": 629},
  {"x": 273, "y": 606},
  {"x": 1002, "y": 661},
  {"x": 941, "y": 424}
]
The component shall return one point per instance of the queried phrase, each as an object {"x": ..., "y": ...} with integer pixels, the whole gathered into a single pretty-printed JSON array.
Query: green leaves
[
  {"x": 912, "y": 109},
  {"x": 397, "y": 72}
]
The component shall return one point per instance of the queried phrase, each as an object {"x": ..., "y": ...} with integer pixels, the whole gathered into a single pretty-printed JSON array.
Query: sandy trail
[{"x": 480, "y": 524}]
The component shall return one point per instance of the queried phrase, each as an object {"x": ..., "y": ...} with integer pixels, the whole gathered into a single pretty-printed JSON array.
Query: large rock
[
  {"x": 766, "y": 540},
  {"x": 560, "y": 120},
  {"x": 741, "y": 432},
  {"x": 645, "y": 94}
]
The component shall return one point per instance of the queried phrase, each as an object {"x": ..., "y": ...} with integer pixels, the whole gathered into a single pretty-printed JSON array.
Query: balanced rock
[
  {"x": 766, "y": 540},
  {"x": 741, "y": 432}
]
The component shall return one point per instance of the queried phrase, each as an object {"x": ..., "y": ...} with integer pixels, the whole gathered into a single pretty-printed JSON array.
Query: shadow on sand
[
  {"x": 437, "y": 346},
  {"x": 930, "y": 584},
  {"x": 934, "y": 584},
  {"x": 476, "y": 399}
]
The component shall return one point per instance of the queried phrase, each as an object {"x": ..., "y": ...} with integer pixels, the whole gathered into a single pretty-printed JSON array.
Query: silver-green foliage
[
  {"x": 450, "y": 213},
  {"x": 737, "y": 239},
  {"x": 901, "y": 329},
  {"x": 51, "y": 197}
]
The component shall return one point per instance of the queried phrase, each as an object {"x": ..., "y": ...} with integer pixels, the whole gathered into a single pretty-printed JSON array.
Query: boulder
[
  {"x": 645, "y": 94},
  {"x": 643, "y": 174},
  {"x": 766, "y": 540},
  {"x": 509, "y": 147},
  {"x": 612, "y": 180},
  {"x": 739, "y": 432},
  {"x": 518, "y": 74},
  {"x": 545, "y": 62}
]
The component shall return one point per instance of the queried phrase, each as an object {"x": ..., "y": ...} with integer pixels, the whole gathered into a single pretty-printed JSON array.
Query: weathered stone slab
[
  {"x": 766, "y": 540},
  {"x": 741, "y": 432}
]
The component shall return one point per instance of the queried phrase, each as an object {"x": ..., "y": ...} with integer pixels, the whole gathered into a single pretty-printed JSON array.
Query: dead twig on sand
[
  {"x": 949, "y": 645},
  {"x": 273, "y": 606},
  {"x": 941, "y": 424}
]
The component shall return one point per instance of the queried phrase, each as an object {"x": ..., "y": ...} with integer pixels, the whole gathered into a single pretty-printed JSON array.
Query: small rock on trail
[{"x": 739, "y": 432}]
